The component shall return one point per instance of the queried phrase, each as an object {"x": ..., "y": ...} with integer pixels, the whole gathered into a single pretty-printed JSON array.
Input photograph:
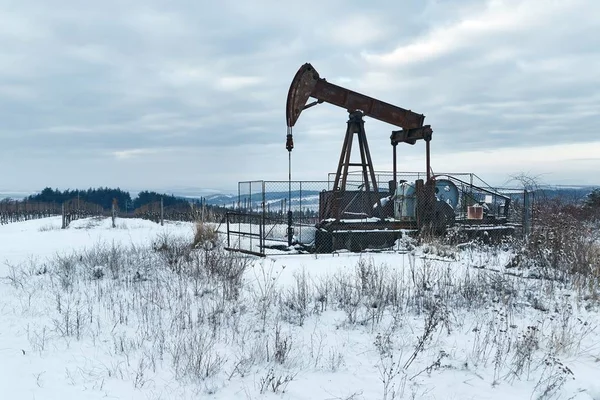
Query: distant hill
[
  {"x": 309, "y": 199},
  {"x": 573, "y": 194},
  {"x": 13, "y": 195}
]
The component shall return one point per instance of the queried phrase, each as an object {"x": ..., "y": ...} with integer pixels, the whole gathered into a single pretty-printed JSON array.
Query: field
[{"x": 137, "y": 312}]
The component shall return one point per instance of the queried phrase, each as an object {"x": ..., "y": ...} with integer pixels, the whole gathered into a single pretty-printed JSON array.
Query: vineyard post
[{"x": 114, "y": 212}]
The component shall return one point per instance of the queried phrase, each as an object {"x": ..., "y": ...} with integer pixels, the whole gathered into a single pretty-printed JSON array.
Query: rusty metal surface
[
  {"x": 307, "y": 83},
  {"x": 411, "y": 136},
  {"x": 371, "y": 107},
  {"x": 300, "y": 90}
]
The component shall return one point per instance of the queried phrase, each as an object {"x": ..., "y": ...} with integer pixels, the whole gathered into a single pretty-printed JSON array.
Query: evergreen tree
[{"x": 593, "y": 199}]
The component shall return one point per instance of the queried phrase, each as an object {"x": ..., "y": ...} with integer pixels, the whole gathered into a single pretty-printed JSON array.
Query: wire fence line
[
  {"x": 282, "y": 217},
  {"x": 72, "y": 209},
  {"x": 23, "y": 210}
]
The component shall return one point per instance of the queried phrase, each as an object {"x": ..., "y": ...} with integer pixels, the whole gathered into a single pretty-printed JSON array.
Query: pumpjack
[
  {"x": 358, "y": 219},
  {"x": 339, "y": 208}
]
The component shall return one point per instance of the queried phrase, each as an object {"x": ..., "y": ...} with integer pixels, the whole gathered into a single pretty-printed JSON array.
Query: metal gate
[{"x": 246, "y": 233}]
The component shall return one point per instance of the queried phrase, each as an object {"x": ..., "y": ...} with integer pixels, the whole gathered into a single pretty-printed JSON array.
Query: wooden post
[
  {"x": 162, "y": 212},
  {"x": 228, "y": 240},
  {"x": 64, "y": 217},
  {"x": 202, "y": 204},
  {"x": 526, "y": 212},
  {"x": 114, "y": 213}
]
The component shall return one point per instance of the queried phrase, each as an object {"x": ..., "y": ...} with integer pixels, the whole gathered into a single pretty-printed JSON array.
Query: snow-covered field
[{"x": 94, "y": 312}]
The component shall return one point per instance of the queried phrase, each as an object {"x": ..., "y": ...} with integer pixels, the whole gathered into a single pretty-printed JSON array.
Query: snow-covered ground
[{"x": 95, "y": 312}]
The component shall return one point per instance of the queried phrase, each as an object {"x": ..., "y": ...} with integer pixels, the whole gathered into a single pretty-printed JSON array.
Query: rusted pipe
[
  {"x": 427, "y": 151},
  {"x": 395, "y": 165}
]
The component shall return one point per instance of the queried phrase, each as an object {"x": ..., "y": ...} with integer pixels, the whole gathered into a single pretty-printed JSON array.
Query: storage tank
[{"x": 405, "y": 202}]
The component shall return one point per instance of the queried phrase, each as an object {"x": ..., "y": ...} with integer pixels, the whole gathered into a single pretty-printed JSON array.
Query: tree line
[{"x": 105, "y": 196}]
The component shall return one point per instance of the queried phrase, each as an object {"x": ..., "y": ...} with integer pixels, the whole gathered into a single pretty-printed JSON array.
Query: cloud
[
  {"x": 181, "y": 92},
  {"x": 499, "y": 18},
  {"x": 355, "y": 31},
  {"x": 232, "y": 83},
  {"x": 134, "y": 153}
]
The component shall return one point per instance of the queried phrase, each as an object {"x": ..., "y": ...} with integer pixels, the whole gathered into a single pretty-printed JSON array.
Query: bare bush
[
  {"x": 389, "y": 367},
  {"x": 335, "y": 359},
  {"x": 294, "y": 303},
  {"x": 554, "y": 375},
  {"x": 104, "y": 259},
  {"x": 265, "y": 291},
  {"x": 205, "y": 236},
  {"x": 278, "y": 346},
  {"x": 527, "y": 345},
  {"x": 174, "y": 251},
  {"x": 194, "y": 356},
  {"x": 564, "y": 247},
  {"x": 435, "y": 317},
  {"x": 275, "y": 382}
]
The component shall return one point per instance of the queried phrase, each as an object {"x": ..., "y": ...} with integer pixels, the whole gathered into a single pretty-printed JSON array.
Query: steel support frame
[{"x": 355, "y": 125}]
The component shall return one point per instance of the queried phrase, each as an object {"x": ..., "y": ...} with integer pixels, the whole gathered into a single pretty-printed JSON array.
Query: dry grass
[
  {"x": 189, "y": 314},
  {"x": 565, "y": 246},
  {"x": 205, "y": 236}
]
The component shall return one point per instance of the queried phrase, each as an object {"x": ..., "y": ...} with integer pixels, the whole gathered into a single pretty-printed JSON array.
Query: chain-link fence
[
  {"x": 275, "y": 217},
  {"x": 263, "y": 212}
]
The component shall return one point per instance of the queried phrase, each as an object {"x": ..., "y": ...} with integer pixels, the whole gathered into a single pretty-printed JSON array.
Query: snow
[{"x": 130, "y": 333}]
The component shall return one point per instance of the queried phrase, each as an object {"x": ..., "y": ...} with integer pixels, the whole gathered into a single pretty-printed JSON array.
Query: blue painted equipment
[{"x": 446, "y": 191}]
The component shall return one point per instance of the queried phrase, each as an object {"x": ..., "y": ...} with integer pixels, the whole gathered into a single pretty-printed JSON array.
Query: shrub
[
  {"x": 564, "y": 245},
  {"x": 174, "y": 251},
  {"x": 205, "y": 236}
]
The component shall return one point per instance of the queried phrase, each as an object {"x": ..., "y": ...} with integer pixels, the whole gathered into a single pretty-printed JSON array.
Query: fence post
[
  {"x": 228, "y": 240},
  {"x": 114, "y": 214},
  {"x": 249, "y": 211},
  {"x": 262, "y": 225},
  {"x": 239, "y": 209},
  {"x": 162, "y": 212},
  {"x": 526, "y": 210},
  {"x": 64, "y": 220},
  {"x": 300, "y": 214},
  {"x": 532, "y": 225},
  {"x": 239, "y": 202}
]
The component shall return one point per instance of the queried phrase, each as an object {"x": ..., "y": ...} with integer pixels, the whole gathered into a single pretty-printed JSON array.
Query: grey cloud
[{"x": 151, "y": 86}]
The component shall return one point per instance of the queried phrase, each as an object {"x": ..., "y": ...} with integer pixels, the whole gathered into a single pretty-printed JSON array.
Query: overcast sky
[{"x": 170, "y": 94}]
